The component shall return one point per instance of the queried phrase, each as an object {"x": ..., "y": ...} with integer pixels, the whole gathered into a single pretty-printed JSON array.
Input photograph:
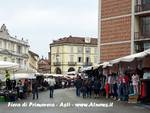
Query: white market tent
[
  {"x": 57, "y": 75},
  {"x": 128, "y": 58},
  {"x": 70, "y": 76},
  {"x": 131, "y": 58},
  {"x": 87, "y": 68},
  {"x": 18, "y": 76},
  {"x": 8, "y": 65},
  {"x": 54, "y": 75},
  {"x": 105, "y": 64},
  {"x": 71, "y": 73}
]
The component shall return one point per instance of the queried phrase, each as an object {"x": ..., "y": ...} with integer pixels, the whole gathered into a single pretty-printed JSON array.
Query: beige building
[
  {"x": 13, "y": 49},
  {"x": 33, "y": 61},
  {"x": 72, "y": 53}
]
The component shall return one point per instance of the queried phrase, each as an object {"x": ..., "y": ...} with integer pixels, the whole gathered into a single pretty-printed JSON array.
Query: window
[
  {"x": 71, "y": 58},
  {"x": 145, "y": 25},
  {"x": 18, "y": 61},
  {"x": 5, "y": 58},
  {"x": 95, "y": 50},
  {"x": 9, "y": 46},
  {"x": 57, "y": 49},
  {"x": 13, "y": 47},
  {"x": 25, "y": 62},
  {"x": 146, "y": 1},
  {"x": 71, "y": 49},
  {"x": 79, "y": 59},
  {"x": 57, "y": 58},
  {"x": 138, "y": 2},
  {"x": 88, "y": 50},
  {"x": 5, "y": 45},
  {"x": 87, "y": 59},
  {"x": 13, "y": 60},
  {"x": 146, "y": 46},
  {"x": 80, "y": 49},
  {"x": 19, "y": 49},
  {"x": 1, "y": 44},
  {"x": 95, "y": 59}
]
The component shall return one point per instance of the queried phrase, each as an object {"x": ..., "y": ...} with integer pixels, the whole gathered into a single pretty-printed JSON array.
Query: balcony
[
  {"x": 57, "y": 63},
  {"x": 72, "y": 63},
  {"x": 139, "y": 47},
  {"x": 88, "y": 64},
  {"x": 141, "y": 37},
  {"x": 142, "y": 7}
]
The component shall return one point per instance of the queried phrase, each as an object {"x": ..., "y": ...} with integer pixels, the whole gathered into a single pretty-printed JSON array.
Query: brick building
[
  {"x": 124, "y": 27},
  {"x": 44, "y": 65}
]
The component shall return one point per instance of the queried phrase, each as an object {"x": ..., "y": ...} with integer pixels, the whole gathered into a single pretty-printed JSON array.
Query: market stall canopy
[
  {"x": 132, "y": 57},
  {"x": 87, "y": 68},
  {"x": 57, "y": 75},
  {"x": 70, "y": 76},
  {"x": 105, "y": 64},
  {"x": 23, "y": 76},
  {"x": 8, "y": 65},
  {"x": 71, "y": 73},
  {"x": 96, "y": 66},
  {"x": 53, "y": 75},
  {"x": 147, "y": 51}
]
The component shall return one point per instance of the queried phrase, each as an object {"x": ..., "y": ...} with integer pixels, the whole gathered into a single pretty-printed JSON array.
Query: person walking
[
  {"x": 96, "y": 88},
  {"x": 78, "y": 85},
  {"x": 89, "y": 88},
  {"x": 84, "y": 88},
  {"x": 20, "y": 89},
  {"x": 51, "y": 83},
  {"x": 135, "y": 82},
  {"x": 35, "y": 89}
]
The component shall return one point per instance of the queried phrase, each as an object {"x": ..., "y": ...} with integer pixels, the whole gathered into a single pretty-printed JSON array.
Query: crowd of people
[
  {"x": 87, "y": 87},
  {"x": 23, "y": 89},
  {"x": 26, "y": 88},
  {"x": 116, "y": 86}
]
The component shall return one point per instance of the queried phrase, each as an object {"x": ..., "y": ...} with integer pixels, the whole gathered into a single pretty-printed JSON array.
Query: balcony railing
[
  {"x": 88, "y": 64},
  {"x": 72, "y": 63},
  {"x": 142, "y": 7},
  {"x": 57, "y": 63},
  {"x": 139, "y": 47},
  {"x": 141, "y": 37}
]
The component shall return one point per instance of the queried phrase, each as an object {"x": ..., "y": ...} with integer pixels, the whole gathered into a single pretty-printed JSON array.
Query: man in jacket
[{"x": 51, "y": 82}]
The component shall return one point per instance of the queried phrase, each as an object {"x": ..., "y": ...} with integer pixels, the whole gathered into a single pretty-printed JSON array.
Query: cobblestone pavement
[{"x": 67, "y": 97}]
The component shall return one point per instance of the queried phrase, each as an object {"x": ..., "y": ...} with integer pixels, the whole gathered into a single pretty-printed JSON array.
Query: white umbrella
[{"x": 23, "y": 76}]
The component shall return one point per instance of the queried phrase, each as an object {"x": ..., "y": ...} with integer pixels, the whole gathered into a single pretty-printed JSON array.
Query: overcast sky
[{"x": 42, "y": 21}]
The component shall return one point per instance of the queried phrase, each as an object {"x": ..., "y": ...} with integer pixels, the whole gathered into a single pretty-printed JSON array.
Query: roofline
[{"x": 33, "y": 53}]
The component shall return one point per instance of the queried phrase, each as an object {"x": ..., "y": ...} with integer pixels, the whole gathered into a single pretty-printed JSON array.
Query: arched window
[
  {"x": 58, "y": 70},
  {"x": 71, "y": 69}
]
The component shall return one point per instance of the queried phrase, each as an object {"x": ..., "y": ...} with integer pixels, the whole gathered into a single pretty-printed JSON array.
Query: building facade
[
  {"x": 13, "y": 49},
  {"x": 73, "y": 53},
  {"x": 44, "y": 65},
  {"x": 33, "y": 61},
  {"x": 123, "y": 27}
]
